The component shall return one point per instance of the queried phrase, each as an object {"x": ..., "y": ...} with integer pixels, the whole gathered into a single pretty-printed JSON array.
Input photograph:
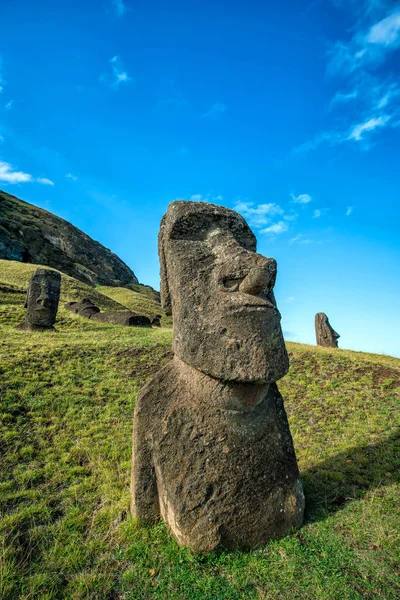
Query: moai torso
[
  {"x": 42, "y": 300},
  {"x": 212, "y": 451},
  {"x": 325, "y": 334}
]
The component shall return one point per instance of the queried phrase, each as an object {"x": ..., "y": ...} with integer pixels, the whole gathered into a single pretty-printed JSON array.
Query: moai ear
[{"x": 164, "y": 287}]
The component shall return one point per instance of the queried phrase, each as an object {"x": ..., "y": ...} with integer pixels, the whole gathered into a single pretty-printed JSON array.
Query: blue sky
[{"x": 288, "y": 112}]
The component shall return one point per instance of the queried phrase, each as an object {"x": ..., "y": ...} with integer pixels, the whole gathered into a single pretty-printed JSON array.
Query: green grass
[
  {"x": 66, "y": 407},
  {"x": 138, "y": 302},
  {"x": 17, "y": 275}
]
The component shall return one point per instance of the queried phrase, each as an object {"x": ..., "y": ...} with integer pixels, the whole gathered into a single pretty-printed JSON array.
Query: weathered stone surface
[
  {"x": 42, "y": 300},
  {"x": 326, "y": 335},
  {"x": 212, "y": 451},
  {"x": 156, "y": 321},
  {"x": 30, "y": 234},
  {"x": 122, "y": 318},
  {"x": 84, "y": 308}
]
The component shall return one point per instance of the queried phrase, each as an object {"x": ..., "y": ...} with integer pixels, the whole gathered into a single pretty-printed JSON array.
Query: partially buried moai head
[
  {"x": 42, "y": 298},
  {"x": 220, "y": 293}
]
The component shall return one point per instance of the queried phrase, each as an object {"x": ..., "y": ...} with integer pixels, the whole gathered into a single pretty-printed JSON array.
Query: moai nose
[{"x": 259, "y": 279}]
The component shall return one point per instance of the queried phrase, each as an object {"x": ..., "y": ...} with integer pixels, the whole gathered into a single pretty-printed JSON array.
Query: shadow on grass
[{"x": 350, "y": 475}]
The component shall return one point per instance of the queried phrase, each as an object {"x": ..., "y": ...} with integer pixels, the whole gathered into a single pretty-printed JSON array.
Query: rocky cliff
[{"x": 32, "y": 235}]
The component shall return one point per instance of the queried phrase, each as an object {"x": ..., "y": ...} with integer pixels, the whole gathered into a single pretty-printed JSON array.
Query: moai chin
[
  {"x": 212, "y": 451},
  {"x": 325, "y": 334},
  {"x": 42, "y": 300}
]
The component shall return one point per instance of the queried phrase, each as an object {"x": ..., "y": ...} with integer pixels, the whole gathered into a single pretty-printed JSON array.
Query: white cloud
[
  {"x": 215, "y": 111},
  {"x": 258, "y": 215},
  {"x": 349, "y": 210},
  {"x": 300, "y": 239},
  {"x": 119, "y": 75},
  {"x": 317, "y": 213},
  {"x": 44, "y": 181},
  {"x": 119, "y": 7},
  {"x": 72, "y": 177},
  {"x": 9, "y": 175},
  {"x": 196, "y": 198},
  {"x": 9, "y": 105},
  {"x": 290, "y": 299},
  {"x": 358, "y": 131},
  {"x": 276, "y": 228},
  {"x": 387, "y": 31},
  {"x": 301, "y": 198},
  {"x": 341, "y": 98},
  {"x": 1, "y": 139}
]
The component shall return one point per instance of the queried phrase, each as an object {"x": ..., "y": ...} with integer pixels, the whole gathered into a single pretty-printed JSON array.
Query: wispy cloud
[
  {"x": 9, "y": 174},
  {"x": 368, "y": 46},
  {"x": 9, "y": 105},
  {"x": 300, "y": 239},
  {"x": 257, "y": 215},
  {"x": 342, "y": 98},
  {"x": 119, "y": 8},
  {"x": 276, "y": 228},
  {"x": 317, "y": 213},
  {"x": 1, "y": 139},
  {"x": 118, "y": 76},
  {"x": 358, "y": 131},
  {"x": 72, "y": 177},
  {"x": 358, "y": 62},
  {"x": 215, "y": 111},
  {"x": 301, "y": 198},
  {"x": 349, "y": 210},
  {"x": 44, "y": 181},
  {"x": 2, "y": 82}
]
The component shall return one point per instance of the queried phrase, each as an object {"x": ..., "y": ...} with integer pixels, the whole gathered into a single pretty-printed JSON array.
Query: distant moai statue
[
  {"x": 42, "y": 300},
  {"x": 212, "y": 451},
  {"x": 326, "y": 335},
  {"x": 156, "y": 321},
  {"x": 84, "y": 308}
]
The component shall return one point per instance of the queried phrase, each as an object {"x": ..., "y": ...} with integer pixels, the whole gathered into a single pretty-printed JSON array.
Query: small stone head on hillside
[
  {"x": 42, "y": 299},
  {"x": 220, "y": 293},
  {"x": 325, "y": 334}
]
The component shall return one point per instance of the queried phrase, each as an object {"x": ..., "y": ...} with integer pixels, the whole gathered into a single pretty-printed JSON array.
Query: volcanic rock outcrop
[
  {"x": 42, "y": 300},
  {"x": 32, "y": 235},
  {"x": 325, "y": 334},
  {"x": 212, "y": 451}
]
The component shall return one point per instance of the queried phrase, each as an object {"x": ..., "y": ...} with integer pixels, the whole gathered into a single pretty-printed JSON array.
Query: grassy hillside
[
  {"x": 138, "y": 302},
  {"x": 17, "y": 275},
  {"x": 66, "y": 406}
]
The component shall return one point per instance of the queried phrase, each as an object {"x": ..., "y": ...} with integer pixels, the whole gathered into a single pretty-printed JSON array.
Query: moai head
[
  {"x": 42, "y": 298},
  {"x": 220, "y": 293},
  {"x": 326, "y": 335}
]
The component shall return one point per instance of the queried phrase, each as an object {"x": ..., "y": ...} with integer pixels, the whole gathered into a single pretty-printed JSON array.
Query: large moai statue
[
  {"x": 212, "y": 451},
  {"x": 42, "y": 300},
  {"x": 326, "y": 335}
]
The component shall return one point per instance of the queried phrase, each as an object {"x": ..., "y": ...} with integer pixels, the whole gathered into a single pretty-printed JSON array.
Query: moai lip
[
  {"x": 212, "y": 450},
  {"x": 42, "y": 300},
  {"x": 325, "y": 334}
]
